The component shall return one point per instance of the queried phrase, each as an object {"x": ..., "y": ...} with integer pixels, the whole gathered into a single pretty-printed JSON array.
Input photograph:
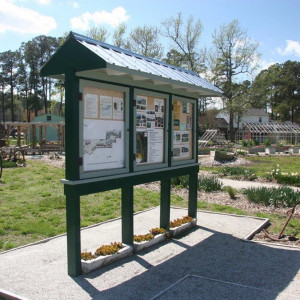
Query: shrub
[
  {"x": 209, "y": 184},
  {"x": 223, "y": 156},
  {"x": 181, "y": 221},
  {"x": 231, "y": 191},
  {"x": 239, "y": 172},
  {"x": 182, "y": 181},
  {"x": 282, "y": 196},
  {"x": 109, "y": 249}
]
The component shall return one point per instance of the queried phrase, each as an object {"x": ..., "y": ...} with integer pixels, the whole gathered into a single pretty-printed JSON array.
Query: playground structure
[
  {"x": 274, "y": 131},
  {"x": 31, "y": 137}
]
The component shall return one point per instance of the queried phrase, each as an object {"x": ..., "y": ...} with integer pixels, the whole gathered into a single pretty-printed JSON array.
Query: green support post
[
  {"x": 193, "y": 194},
  {"x": 127, "y": 215},
  {"x": 165, "y": 200},
  {"x": 73, "y": 233}
]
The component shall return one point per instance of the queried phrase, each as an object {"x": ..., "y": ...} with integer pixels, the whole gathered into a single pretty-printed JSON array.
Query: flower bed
[
  {"x": 179, "y": 226},
  {"x": 155, "y": 236},
  {"x": 103, "y": 256}
]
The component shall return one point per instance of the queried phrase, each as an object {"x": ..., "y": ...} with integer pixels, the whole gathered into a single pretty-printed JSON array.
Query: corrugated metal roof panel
[{"x": 126, "y": 59}]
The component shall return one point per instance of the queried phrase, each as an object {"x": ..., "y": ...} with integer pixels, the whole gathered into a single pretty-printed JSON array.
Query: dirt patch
[
  {"x": 208, "y": 161},
  {"x": 56, "y": 160}
]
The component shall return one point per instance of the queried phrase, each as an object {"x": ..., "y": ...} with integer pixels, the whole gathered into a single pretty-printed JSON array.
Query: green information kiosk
[{"x": 129, "y": 120}]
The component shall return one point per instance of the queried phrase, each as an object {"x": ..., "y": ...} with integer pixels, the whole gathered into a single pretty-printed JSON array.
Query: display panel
[
  {"x": 103, "y": 129},
  {"x": 182, "y": 129},
  {"x": 150, "y": 129}
]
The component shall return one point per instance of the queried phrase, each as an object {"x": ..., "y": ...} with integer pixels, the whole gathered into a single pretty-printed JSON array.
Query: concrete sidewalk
[{"x": 211, "y": 262}]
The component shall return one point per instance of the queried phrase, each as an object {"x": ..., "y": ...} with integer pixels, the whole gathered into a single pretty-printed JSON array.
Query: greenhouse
[{"x": 276, "y": 132}]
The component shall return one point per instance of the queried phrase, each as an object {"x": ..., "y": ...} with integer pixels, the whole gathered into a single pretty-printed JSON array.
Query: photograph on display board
[
  {"x": 176, "y": 152},
  {"x": 141, "y": 103},
  {"x": 141, "y": 146},
  {"x": 118, "y": 109}
]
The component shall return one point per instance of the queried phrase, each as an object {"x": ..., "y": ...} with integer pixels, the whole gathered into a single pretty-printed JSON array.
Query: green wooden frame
[{"x": 76, "y": 186}]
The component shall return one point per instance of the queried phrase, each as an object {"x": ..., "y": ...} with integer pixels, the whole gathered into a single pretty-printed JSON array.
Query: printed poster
[
  {"x": 105, "y": 107},
  {"x": 91, "y": 106}
]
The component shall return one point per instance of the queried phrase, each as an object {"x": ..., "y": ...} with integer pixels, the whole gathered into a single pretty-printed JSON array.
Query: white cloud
[
  {"x": 75, "y": 4},
  {"x": 23, "y": 20},
  {"x": 113, "y": 18},
  {"x": 43, "y": 2},
  {"x": 292, "y": 48}
]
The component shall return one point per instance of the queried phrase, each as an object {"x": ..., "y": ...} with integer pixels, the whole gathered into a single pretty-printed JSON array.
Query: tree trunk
[
  {"x": 3, "y": 105},
  {"x": 231, "y": 129}
]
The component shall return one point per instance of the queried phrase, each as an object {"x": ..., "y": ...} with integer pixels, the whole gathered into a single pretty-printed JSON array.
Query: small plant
[
  {"x": 282, "y": 196},
  {"x": 156, "y": 231},
  {"x": 244, "y": 143},
  {"x": 181, "y": 221},
  {"x": 240, "y": 152},
  {"x": 231, "y": 191},
  {"x": 239, "y": 172},
  {"x": 109, "y": 249},
  {"x": 284, "y": 178},
  {"x": 143, "y": 237},
  {"x": 181, "y": 181},
  {"x": 209, "y": 184},
  {"x": 87, "y": 256},
  {"x": 267, "y": 142}
]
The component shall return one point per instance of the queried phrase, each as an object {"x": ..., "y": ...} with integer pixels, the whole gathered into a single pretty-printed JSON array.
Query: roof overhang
[{"x": 99, "y": 62}]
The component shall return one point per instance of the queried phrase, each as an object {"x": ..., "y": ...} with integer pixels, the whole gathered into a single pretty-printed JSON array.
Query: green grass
[
  {"x": 32, "y": 205},
  {"x": 263, "y": 164}
]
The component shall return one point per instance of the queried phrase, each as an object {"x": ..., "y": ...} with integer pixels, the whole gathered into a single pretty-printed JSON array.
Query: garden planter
[
  {"x": 294, "y": 150},
  {"x": 139, "y": 246},
  {"x": 90, "y": 265},
  {"x": 270, "y": 150},
  {"x": 182, "y": 228}
]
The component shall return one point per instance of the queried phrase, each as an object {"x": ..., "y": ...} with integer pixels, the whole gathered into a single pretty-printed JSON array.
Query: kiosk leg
[
  {"x": 127, "y": 215},
  {"x": 193, "y": 191},
  {"x": 73, "y": 234},
  {"x": 165, "y": 196}
]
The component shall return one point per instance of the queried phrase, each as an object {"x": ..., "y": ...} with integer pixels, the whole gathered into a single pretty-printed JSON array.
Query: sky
[{"x": 274, "y": 24}]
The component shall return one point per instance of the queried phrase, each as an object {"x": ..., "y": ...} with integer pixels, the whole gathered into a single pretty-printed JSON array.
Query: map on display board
[{"x": 103, "y": 129}]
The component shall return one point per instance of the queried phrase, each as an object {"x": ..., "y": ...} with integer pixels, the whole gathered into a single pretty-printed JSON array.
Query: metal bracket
[
  {"x": 80, "y": 161},
  {"x": 80, "y": 96}
]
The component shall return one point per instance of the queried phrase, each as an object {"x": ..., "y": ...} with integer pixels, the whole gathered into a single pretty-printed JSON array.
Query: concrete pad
[{"x": 213, "y": 249}]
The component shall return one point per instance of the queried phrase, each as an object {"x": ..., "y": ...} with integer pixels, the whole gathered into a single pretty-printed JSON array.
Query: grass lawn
[{"x": 32, "y": 205}]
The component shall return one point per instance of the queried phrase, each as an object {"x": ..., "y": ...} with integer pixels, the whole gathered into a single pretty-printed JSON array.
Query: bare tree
[
  {"x": 185, "y": 37},
  {"x": 234, "y": 56}
]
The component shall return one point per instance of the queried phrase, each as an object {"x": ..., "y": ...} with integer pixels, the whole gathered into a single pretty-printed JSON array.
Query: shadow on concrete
[{"x": 220, "y": 266}]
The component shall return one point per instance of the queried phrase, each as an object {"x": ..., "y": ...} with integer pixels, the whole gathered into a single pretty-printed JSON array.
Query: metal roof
[
  {"x": 272, "y": 127},
  {"x": 126, "y": 59}
]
